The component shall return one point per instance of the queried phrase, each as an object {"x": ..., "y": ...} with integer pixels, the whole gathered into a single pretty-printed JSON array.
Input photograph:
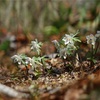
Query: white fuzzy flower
[
  {"x": 17, "y": 59},
  {"x": 91, "y": 39},
  {"x": 28, "y": 60},
  {"x": 68, "y": 39},
  {"x": 36, "y": 46}
]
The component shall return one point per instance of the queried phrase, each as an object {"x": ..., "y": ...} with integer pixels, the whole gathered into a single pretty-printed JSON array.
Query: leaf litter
[{"x": 60, "y": 84}]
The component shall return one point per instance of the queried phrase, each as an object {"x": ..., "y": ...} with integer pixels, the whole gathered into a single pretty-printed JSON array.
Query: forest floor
[
  {"x": 61, "y": 84},
  {"x": 83, "y": 83}
]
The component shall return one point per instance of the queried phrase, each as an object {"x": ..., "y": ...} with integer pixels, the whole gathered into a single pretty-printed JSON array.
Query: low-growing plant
[
  {"x": 34, "y": 62},
  {"x": 94, "y": 42},
  {"x": 67, "y": 47},
  {"x": 67, "y": 50},
  {"x": 36, "y": 46}
]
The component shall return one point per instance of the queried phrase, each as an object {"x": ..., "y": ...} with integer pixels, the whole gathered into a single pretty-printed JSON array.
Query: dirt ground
[{"x": 62, "y": 83}]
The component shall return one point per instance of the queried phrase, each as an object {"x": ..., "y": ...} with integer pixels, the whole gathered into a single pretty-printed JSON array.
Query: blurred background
[{"x": 24, "y": 20}]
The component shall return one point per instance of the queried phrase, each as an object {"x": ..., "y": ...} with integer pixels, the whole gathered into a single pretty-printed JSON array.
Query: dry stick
[{"x": 11, "y": 92}]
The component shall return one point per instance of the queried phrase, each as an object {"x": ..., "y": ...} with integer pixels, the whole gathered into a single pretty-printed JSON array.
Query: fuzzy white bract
[
  {"x": 68, "y": 39},
  {"x": 67, "y": 45},
  {"x": 28, "y": 60},
  {"x": 17, "y": 59},
  {"x": 91, "y": 39},
  {"x": 36, "y": 46}
]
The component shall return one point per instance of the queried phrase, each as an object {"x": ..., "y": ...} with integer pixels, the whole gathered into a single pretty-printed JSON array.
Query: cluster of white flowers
[
  {"x": 65, "y": 48},
  {"x": 36, "y": 46},
  {"x": 91, "y": 39},
  {"x": 21, "y": 59},
  {"x": 68, "y": 47},
  {"x": 24, "y": 60}
]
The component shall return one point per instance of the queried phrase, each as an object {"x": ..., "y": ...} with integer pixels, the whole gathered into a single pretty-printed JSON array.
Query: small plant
[
  {"x": 22, "y": 60},
  {"x": 34, "y": 62},
  {"x": 36, "y": 46},
  {"x": 94, "y": 42},
  {"x": 67, "y": 47}
]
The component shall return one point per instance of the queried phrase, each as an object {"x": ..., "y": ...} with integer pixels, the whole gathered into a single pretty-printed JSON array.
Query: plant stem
[
  {"x": 92, "y": 57},
  {"x": 96, "y": 48},
  {"x": 26, "y": 70}
]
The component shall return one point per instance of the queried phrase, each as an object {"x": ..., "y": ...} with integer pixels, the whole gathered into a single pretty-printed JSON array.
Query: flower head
[
  {"x": 68, "y": 39},
  {"x": 91, "y": 39},
  {"x": 28, "y": 61},
  {"x": 36, "y": 46},
  {"x": 17, "y": 59}
]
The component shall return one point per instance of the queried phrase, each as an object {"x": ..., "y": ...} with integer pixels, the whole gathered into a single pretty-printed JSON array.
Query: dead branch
[{"x": 11, "y": 92}]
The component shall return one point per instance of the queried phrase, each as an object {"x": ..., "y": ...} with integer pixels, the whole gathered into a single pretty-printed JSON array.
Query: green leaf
[
  {"x": 50, "y": 30},
  {"x": 5, "y": 45},
  {"x": 76, "y": 39},
  {"x": 76, "y": 33}
]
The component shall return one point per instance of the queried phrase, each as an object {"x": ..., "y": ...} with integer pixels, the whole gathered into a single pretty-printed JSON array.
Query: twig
[{"x": 11, "y": 92}]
